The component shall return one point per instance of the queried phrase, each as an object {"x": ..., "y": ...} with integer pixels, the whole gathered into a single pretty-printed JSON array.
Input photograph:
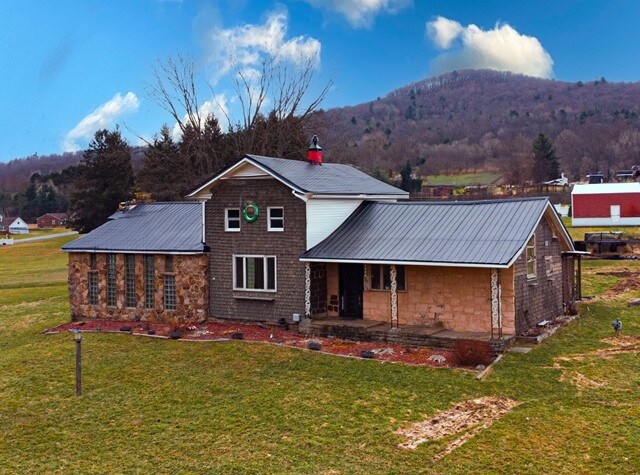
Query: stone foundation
[{"x": 192, "y": 296}]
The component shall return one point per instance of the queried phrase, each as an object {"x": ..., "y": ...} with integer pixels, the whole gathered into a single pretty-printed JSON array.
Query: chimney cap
[{"x": 314, "y": 144}]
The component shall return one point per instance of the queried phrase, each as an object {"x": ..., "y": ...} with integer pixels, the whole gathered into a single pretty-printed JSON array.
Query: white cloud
[
  {"x": 443, "y": 31},
  {"x": 101, "y": 118},
  {"x": 244, "y": 46},
  {"x": 216, "y": 105},
  {"x": 360, "y": 13},
  {"x": 502, "y": 49}
]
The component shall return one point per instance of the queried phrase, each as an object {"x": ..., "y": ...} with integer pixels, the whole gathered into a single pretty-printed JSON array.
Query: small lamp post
[{"x": 78, "y": 339}]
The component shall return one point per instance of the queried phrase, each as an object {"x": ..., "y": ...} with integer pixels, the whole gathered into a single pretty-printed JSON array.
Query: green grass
[
  {"x": 463, "y": 179},
  {"x": 161, "y": 406},
  {"x": 577, "y": 233}
]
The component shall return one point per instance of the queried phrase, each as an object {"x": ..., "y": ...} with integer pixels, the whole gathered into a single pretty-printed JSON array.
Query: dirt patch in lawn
[
  {"x": 273, "y": 334},
  {"x": 629, "y": 281},
  {"x": 465, "y": 420},
  {"x": 618, "y": 345}
]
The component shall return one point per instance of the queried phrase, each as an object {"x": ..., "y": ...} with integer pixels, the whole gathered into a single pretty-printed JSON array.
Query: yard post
[{"x": 78, "y": 340}]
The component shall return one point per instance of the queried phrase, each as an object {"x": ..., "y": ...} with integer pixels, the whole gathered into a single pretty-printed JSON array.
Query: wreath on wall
[{"x": 250, "y": 212}]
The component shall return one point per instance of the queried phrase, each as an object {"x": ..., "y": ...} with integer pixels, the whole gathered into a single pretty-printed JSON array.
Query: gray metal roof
[
  {"x": 174, "y": 227},
  {"x": 325, "y": 179},
  {"x": 475, "y": 233},
  {"x": 328, "y": 178}
]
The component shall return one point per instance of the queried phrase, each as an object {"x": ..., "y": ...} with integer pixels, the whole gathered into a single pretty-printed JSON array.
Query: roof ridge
[{"x": 466, "y": 202}]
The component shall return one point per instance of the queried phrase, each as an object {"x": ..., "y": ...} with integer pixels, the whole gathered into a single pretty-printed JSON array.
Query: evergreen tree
[
  {"x": 546, "y": 166},
  {"x": 407, "y": 182},
  {"x": 161, "y": 168},
  {"x": 105, "y": 178}
]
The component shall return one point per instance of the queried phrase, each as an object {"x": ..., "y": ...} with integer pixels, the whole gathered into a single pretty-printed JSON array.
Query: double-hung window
[
  {"x": 232, "y": 219},
  {"x": 381, "y": 277},
  {"x": 276, "y": 219},
  {"x": 254, "y": 273},
  {"x": 531, "y": 258}
]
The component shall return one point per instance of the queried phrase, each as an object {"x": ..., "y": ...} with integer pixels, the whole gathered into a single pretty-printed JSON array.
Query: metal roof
[
  {"x": 325, "y": 179},
  {"x": 173, "y": 227},
  {"x": 472, "y": 233},
  {"x": 605, "y": 188}
]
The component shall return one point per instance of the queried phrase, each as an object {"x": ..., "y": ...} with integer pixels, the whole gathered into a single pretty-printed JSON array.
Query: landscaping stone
[
  {"x": 634, "y": 303},
  {"x": 519, "y": 349}
]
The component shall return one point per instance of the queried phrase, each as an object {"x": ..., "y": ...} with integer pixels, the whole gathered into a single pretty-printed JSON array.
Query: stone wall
[
  {"x": 318, "y": 288},
  {"x": 190, "y": 273},
  {"x": 539, "y": 298},
  {"x": 255, "y": 239}
]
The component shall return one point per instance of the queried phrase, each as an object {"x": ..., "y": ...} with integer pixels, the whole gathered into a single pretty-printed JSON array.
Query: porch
[{"x": 432, "y": 336}]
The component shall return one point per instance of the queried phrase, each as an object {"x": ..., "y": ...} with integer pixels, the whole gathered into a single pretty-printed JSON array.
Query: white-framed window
[
  {"x": 531, "y": 258},
  {"x": 256, "y": 273},
  {"x": 232, "y": 219},
  {"x": 275, "y": 219},
  {"x": 381, "y": 277},
  {"x": 548, "y": 264}
]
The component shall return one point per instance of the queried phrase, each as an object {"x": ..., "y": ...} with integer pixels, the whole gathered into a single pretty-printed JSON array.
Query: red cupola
[{"x": 314, "y": 154}]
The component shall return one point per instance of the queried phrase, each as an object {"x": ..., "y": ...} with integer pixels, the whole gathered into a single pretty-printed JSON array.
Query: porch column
[
  {"x": 496, "y": 304},
  {"x": 307, "y": 289},
  {"x": 394, "y": 297}
]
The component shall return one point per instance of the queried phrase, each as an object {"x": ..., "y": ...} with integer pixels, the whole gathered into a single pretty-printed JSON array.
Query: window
[
  {"x": 232, "y": 219},
  {"x": 169, "y": 292},
  {"x": 130, "y": 280},
  {"x": 254, "y": 273},
  {"x": 93, "y": 279},
  {"x": 111, "y": 280},
  {"x": 149, "y": 281},
  {"x": 548, "y": 264},
  {"x": 381, "y": 277},
  {"x": 168, "y": 263},
  {"x": 276, "y": 219},
  {"x": 531, "y": 257}
]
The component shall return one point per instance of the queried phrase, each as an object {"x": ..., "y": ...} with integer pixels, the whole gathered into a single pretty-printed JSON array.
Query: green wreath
[{"x": 245, "y": 212}]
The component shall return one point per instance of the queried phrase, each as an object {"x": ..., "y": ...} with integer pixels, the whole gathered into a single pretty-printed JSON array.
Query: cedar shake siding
[
  {"x": 254, "y": 239},
  {"x": 539, "y": 298},
  {"x": 189, "y": 273}
]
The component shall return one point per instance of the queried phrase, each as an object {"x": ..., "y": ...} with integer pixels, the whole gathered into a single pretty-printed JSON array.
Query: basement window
[
  {"x": 232, "y": 220},
  {"x": 256, "y": 273},
  {"x": 381, "y": 277},
  {"x": 531, "y": 258},
  {"x": 276, "y": 219}
]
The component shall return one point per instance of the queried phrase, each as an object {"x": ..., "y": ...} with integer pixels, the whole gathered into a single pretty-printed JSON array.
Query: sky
[{"x": 71, "y": 67}]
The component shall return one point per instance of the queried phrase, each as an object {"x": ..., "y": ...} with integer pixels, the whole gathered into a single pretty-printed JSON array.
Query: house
[
  {"x": 486, "y": 267},
  {"x": 606, "y": 204},
  {"x": 13, "y": 225},
  {"x": 270, "y": 239},
  {"x": 147, "y": 263},
  {"x": 261, "y": 214},
  {"x": 52, "y": 220}
]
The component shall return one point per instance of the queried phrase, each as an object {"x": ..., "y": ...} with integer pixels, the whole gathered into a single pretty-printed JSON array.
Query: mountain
[{"x": 487, "y": 120}]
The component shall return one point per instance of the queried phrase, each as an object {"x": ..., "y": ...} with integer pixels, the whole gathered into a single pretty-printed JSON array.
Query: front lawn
[{"x": 163, "y": 406}]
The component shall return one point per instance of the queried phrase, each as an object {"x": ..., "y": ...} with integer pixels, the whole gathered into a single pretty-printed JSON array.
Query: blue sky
[{"x": 70, "y": 67}]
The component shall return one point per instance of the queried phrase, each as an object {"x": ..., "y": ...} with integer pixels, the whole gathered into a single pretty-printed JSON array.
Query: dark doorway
[{"x": 351, "y": 278}]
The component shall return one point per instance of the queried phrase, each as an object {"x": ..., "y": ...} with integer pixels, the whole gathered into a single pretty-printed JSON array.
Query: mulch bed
[{"x": 222, "y": 331}]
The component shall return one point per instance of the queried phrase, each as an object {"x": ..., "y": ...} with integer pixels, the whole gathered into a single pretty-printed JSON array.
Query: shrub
[{"x": 472, "y": 352}]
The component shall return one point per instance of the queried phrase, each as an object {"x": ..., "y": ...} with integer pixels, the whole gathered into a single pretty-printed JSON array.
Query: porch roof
[{"x": 470, "y": 234}]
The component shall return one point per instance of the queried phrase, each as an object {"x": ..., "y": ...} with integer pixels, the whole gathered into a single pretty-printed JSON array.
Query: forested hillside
[{"x": 486, "y": 119}]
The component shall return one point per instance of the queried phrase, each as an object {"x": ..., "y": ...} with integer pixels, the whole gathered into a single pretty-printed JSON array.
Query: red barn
[
  {"x": 606, "y": 204},
  {"x": 52, "y": 220}
]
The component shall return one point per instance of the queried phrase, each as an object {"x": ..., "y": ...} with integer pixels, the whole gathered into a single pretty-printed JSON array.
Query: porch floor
[{"x": 415, "y": 335}]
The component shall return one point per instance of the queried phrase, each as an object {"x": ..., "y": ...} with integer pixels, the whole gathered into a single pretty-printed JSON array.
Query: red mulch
[{"x": 213, "y": 330}]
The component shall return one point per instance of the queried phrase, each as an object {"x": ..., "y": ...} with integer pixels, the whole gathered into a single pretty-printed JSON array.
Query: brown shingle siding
[{"x": 255, "y": 239}]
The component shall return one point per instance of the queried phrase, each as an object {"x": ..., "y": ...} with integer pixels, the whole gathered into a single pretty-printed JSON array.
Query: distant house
[
  {"x": 606, "y": 204},
  {"x": 487, "y": 267},
  {"x": 52, "y": 220},
  {"x": 13, "y": 225},
  {"x": 148, "y": 263}
]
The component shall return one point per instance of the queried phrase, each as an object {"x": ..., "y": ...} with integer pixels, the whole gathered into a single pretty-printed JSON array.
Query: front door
[{"x": 351, "y": 278}]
